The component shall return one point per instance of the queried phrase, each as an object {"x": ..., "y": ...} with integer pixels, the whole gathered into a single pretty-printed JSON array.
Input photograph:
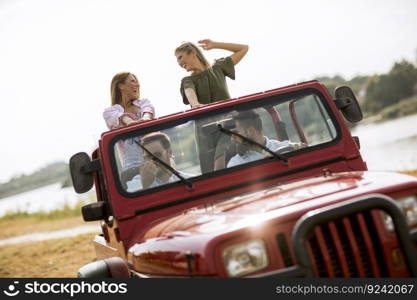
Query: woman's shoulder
[
  {"x": 225, "y": 66},
  {"x": 221, "y": 61},
  {"x": 116, "y": 107}
]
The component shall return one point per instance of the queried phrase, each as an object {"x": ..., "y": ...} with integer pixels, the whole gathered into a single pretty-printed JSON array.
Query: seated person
[
  {"x": 153, "y": 174},
  {"x": 249, "y": 124}
]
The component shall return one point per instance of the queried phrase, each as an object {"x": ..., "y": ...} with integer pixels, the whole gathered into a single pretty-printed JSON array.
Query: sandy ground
[
  {"x": 412, "y": 172},
  {"x": 51, "y": 258}
]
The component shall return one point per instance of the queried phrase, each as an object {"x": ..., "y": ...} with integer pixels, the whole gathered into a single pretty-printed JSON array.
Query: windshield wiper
[
  {"x": 252, "y": 142},
  {"x": 168, "y": 167}
]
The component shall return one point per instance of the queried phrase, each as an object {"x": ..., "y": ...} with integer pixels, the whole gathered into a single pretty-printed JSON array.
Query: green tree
[
  {"x": 388, "y": 89},
  {"x": 357, "y": 83}
]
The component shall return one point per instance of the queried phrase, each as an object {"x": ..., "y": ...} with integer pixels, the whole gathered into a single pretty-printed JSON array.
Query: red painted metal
[
  {"x": 297, "y": 123},
  {"x": 276, "y": 118}
]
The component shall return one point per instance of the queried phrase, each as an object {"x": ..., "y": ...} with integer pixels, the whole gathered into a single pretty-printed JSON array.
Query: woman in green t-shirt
[{"x": 207, "y": 84}]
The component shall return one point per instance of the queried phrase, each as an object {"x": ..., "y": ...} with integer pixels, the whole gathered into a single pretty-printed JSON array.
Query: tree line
[{"x": 377, "y": 92}]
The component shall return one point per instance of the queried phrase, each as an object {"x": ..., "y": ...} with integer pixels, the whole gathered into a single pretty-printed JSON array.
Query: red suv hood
[
  {"x": 282, "y": 201},
  {"x": 197, "y": 231}
]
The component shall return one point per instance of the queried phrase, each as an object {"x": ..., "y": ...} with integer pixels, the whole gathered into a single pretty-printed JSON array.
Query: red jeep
[{"x": 216, "y": 197}]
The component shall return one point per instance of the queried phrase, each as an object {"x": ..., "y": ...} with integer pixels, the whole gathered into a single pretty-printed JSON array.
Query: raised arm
[{"x": 239, "y": 50}]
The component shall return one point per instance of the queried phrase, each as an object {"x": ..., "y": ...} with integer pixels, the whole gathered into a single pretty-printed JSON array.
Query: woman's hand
[
  {"x": 197, "y": 105},
  {"x": 127, "y": 120},
  {"x": 239, "y": 50},
  {"x": 147, "y": 116},
  {"x": 206, "y": 44},
  {"x": 139, "y": 121}
]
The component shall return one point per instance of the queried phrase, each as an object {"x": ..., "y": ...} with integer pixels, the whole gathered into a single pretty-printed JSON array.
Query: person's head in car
[
  {"x": 249, "y": 124},
  {"x": 159, "y": 145}
]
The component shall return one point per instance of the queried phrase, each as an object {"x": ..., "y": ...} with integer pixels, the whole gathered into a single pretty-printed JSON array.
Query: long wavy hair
[{"x": 115, "y": 92}]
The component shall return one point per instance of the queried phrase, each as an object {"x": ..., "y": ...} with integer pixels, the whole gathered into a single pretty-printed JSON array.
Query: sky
[{"x": 57, "y": 58}]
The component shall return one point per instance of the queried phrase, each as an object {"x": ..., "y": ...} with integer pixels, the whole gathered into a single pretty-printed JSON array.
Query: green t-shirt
[{"x": 210, "y": 85}]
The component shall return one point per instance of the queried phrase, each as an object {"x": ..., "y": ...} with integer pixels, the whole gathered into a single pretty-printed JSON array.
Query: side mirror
[
  {"x": 347, "y": 104},
  {"x": 81, "y": 172},
  {"x": 94, "y": 211}
]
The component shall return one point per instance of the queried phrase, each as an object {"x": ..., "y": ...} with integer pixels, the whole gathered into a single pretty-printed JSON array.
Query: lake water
[
  {"x": 391, "y": 145},
  {"x": 44, "y": 199}
]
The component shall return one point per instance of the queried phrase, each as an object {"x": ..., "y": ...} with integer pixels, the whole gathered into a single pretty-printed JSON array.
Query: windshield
[{"x": 270, "y": 128}]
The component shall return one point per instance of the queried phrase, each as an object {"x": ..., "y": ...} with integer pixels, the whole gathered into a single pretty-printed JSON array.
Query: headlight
[
  {"x": 409, "y": 206},
  {"x": 245, "y": 258}
]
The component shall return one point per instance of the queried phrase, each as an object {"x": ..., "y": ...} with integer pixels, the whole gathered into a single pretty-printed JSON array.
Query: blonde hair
[
  {"x": 190, "y": 47},
  {"x": 115, "y": 92}
]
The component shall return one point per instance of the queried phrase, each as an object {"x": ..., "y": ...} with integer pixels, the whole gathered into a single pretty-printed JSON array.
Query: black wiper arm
[
  {"x": 252, "y": 142},
  {"x": 168, "y": 167}
]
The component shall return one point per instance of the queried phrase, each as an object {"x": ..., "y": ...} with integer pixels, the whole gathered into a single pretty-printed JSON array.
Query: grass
[
  {"x": 20, "y": 223},
  {"x": 54, "y": 215},
  {"x": 20, "y": 226},
  {"x": 65, "y": 212}
]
